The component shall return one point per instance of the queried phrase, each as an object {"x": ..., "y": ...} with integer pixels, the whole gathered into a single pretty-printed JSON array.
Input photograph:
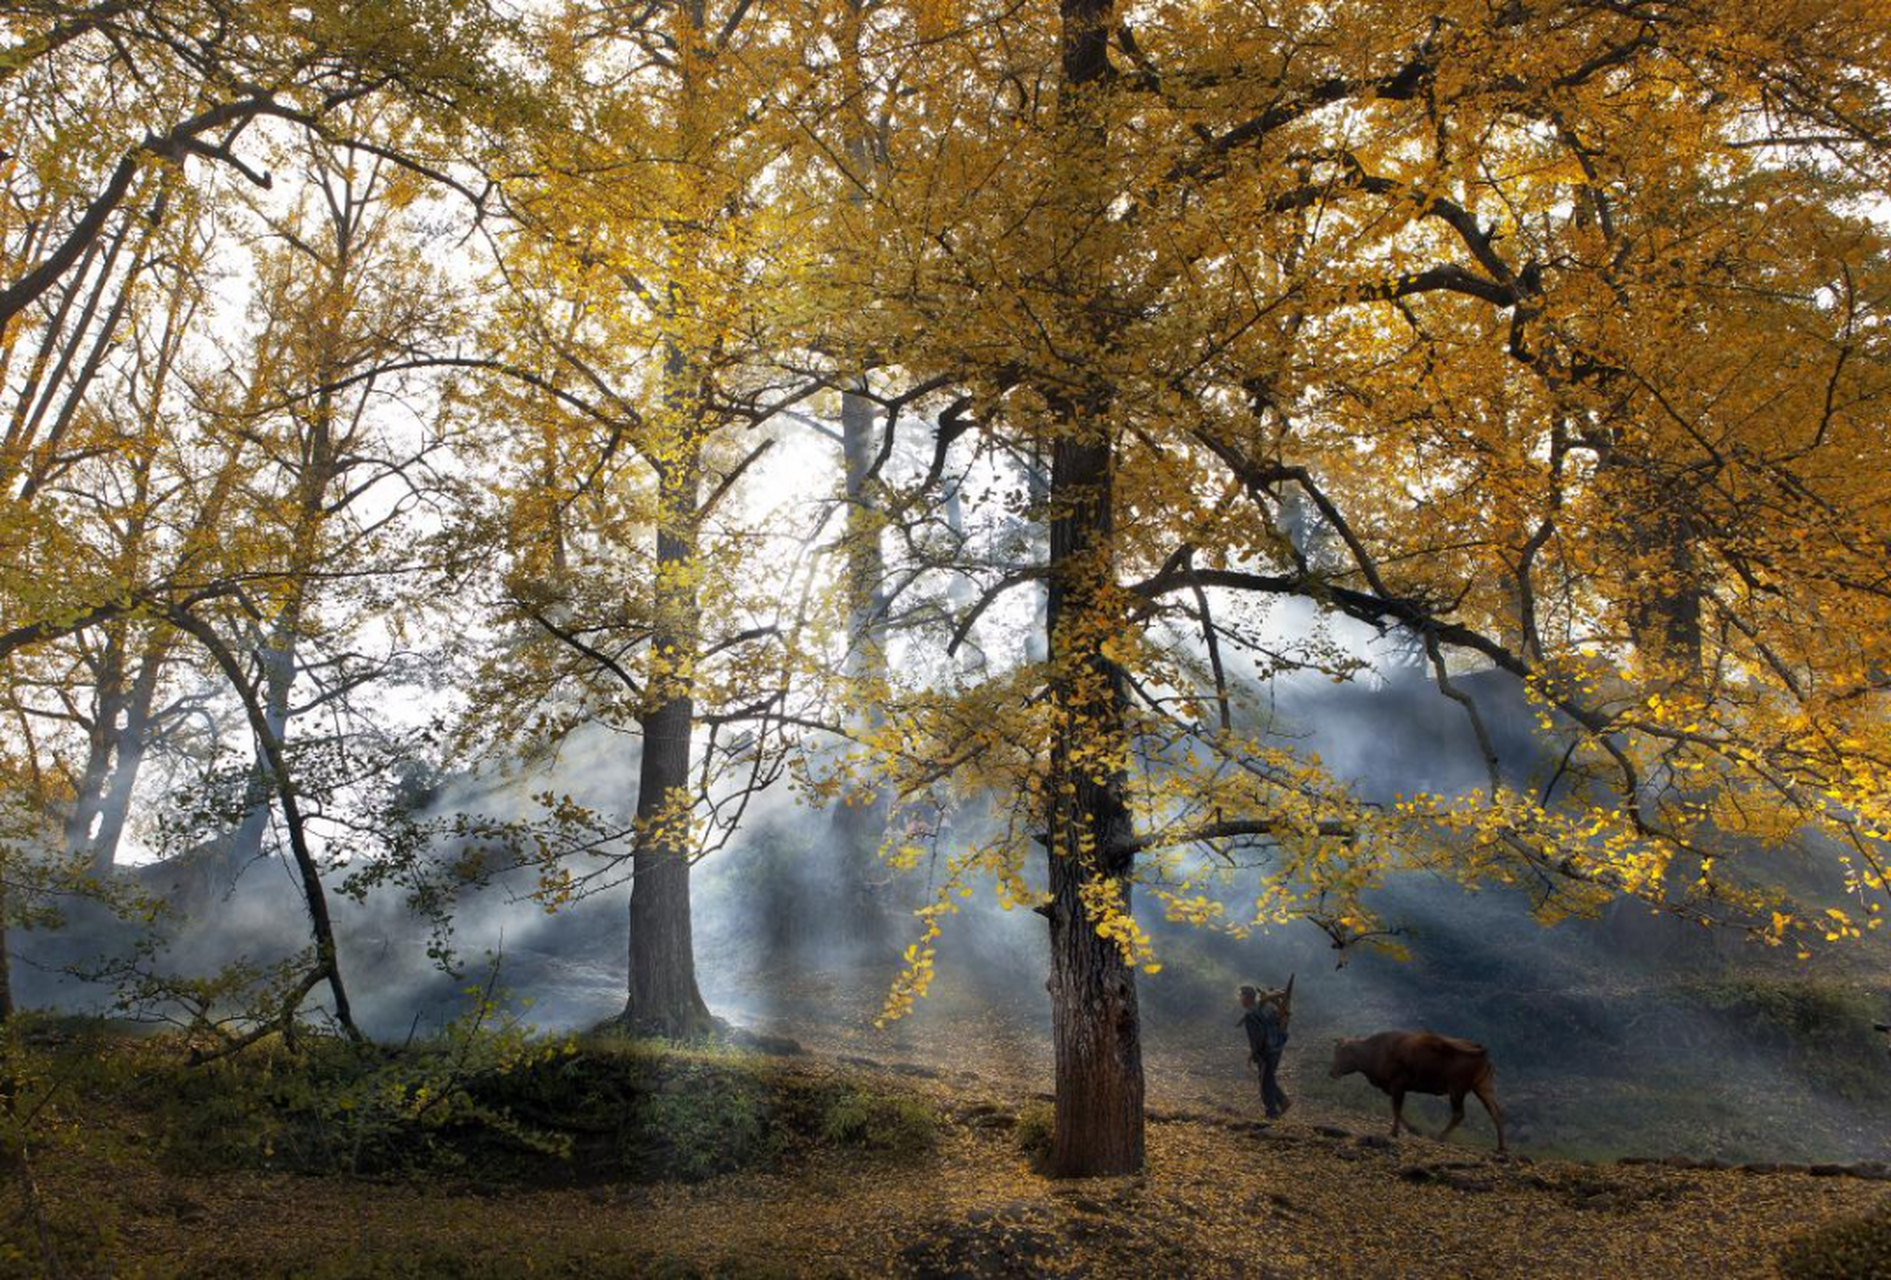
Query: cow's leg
[
  {"x": 1457, "y": 1115},
  {"x": 1488, "y": 1096},
  {"x": 1398, "y": 1111}
]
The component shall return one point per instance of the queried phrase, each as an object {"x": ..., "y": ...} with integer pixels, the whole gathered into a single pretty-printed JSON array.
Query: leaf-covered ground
[{"x": 1223, "y": 1196}]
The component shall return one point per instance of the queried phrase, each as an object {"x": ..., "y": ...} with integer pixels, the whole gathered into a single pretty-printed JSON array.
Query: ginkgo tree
[
  {"x": 1552, "y": 339},
  {"x": 110, "y": 113},
  {"x": 646, "y": 282},
  {"x": 129, "y": 473},
  {"x": 1560, "y": 329}
]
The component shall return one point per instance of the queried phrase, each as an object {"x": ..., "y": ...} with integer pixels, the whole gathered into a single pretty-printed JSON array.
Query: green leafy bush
[
  {"x": 483, "y": 1101},
  {"x": 690, "y": 1134},
  {"x": 332, "y": 1106},
  {"x": 899, "y": 1125},
  {"x": 1037, "y": 1126}
]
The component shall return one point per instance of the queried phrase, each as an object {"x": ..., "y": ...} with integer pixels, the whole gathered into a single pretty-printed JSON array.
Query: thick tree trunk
[
  {"x": 1664, "y": 626},
  {"x": 1664, "y": 609},
  {"x": 663, "y": 998},
  {"x": 1094, "y": 1013},
  {"x": 1096, "y": 1024}
]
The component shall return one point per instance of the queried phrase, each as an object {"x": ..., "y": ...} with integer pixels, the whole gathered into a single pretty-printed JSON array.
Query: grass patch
[
  {"x": 1037, "y": 1127},
  {"x": 892, "y": 1123},
  {"x": 1822, "y": 1029}
]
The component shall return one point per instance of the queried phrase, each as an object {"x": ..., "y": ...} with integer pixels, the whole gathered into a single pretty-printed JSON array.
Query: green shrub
[
  {"x": 333, "y": 1106},
  {"x": 1037, "y": 1126},
  {"x": 1842, "y": 1250},
  {"x": 481, "y": 1102},
  {"x": 892, "y": 1123},
  {"x": 715, "y": 1128}
]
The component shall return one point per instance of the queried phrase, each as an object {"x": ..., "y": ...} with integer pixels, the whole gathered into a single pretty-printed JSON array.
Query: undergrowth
[{"x": 483, "y": 1101}]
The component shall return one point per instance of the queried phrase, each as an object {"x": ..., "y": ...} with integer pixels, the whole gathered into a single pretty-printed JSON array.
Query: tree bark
[
  {"x": 102, "y": 744},
  {"x": 278, "y": 660},
  {"x": 122, "y": 723},
  {"x": 664, "y": 999},
  {"x": 1096, "y": 1023},
  {"x": 269, "y": 750},
  {"x": 319, "y": 467},
  {"x": 1094, "y": 1012},
  {"x": 1664, "y": 613},
  {"x": 860, "y": 824},
  {"x": 114, "y": 804}
]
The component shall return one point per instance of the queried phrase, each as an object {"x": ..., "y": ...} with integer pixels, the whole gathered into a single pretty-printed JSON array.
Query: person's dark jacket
[{"x": 1266, "y": 1035}]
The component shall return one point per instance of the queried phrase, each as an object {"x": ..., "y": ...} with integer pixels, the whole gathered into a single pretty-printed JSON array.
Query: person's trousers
[{"x": 1272, "y": 1095}]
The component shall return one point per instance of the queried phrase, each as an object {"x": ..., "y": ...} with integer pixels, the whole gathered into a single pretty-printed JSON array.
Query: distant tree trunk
[
  {"x": 102, "y": 742},
  {"x": 318, "y": 467},
  {"x": 125, "y": 691},
  {"x": 114, "y": 805},
  {"x": 664, "y": 999},
  {"x": 860, "y": 823},
  {"x": 269, "y": 750},
  {"x": 859, "y": 826},
  {"x": 1096, "y": 1023},
  {"x": 8, "y": 1084},
  {"x": 122, "y": 724},
  {"x": 277, "y": 654},
  {"x": 278, "y": 659},
  {"x": 962, "y": 594}
]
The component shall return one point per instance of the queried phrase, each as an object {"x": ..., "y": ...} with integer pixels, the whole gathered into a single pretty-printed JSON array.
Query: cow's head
[{"x": 1346, "y": 1058}]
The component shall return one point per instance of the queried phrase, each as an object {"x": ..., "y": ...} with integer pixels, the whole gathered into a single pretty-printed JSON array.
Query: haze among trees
[{"x": 959, "y": 416}]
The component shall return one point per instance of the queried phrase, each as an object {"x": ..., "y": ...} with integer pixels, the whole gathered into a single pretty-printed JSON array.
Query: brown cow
[{"x": 1402, "y": 1062}]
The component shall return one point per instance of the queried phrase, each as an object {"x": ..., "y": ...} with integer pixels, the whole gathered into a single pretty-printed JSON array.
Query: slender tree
[{"x": 634, "y": 338}]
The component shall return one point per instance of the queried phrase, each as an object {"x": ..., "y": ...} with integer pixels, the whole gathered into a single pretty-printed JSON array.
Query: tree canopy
[{"x": 965, "y": 414}]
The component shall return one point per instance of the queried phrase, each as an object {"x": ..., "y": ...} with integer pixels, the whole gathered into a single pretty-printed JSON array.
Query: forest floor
[{"x": 140, "y": 1181}]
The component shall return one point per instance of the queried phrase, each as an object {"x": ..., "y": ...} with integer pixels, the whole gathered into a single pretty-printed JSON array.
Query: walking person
[{"x": 1265, "y": 1021}]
